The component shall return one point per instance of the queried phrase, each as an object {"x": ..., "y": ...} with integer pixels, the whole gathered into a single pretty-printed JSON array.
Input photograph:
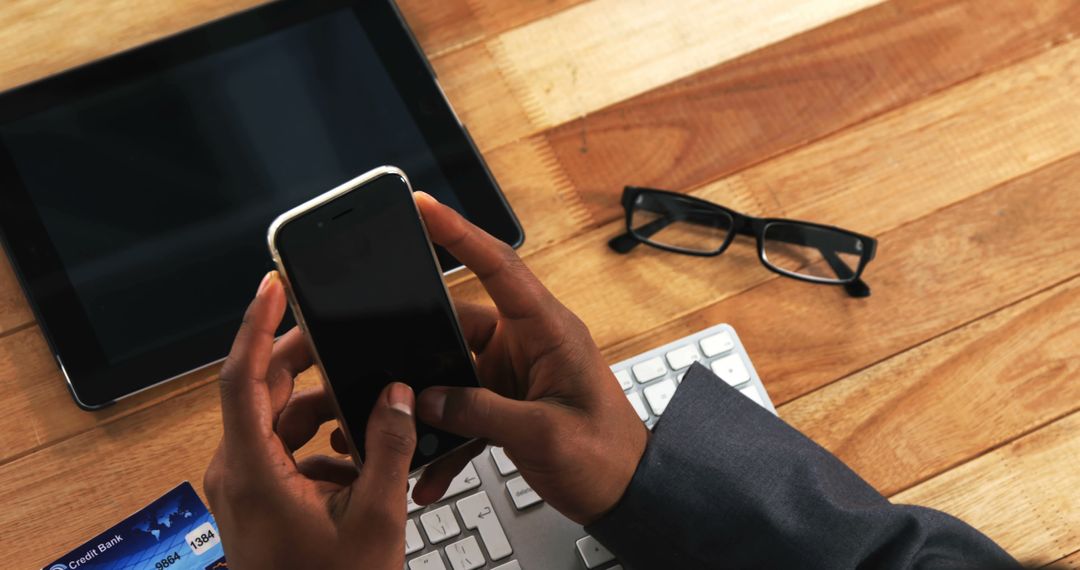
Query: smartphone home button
[{"x": 429, "y": 444}]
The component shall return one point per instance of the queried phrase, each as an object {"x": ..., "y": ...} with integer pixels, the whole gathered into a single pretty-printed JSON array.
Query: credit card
[{"x": 175, "y": 532}]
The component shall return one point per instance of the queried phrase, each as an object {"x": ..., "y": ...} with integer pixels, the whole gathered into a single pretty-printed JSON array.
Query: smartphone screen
[{"x": 371, "y": 295}]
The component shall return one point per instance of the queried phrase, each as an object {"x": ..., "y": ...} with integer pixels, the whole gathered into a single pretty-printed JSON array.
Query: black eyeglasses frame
[{"x": 743, "y": 224}]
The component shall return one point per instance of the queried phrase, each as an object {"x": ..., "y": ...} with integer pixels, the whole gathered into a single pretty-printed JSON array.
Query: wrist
[{"x": 628, "y": 454}]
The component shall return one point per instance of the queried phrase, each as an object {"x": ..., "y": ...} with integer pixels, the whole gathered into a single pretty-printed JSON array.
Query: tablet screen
[{"x": 156, "y": 190}]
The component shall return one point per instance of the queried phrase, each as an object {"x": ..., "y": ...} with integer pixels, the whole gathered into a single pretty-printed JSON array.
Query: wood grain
[
  {"x": 918, "y": 46},
  {"x": 1022, "y": 495},
  {"x": 57, "y": 497},
  {"x": 448, "y": 25},
  {"x": 1071, "y": 562},
  {"x": 948, "y": 128},
  {"x": 41, "y": 38},
  {"x": 35, "y": 396},
  {"x": 540, "y": 193},
  {"x": 864, "y": 175},
  {"x": 950, "y": 235},
  {"x": 783, "y": 96},
  {"x": 801, "y": 337},
  {"x": 602, "y": 51},
  {"x": 39, "y": 407},
  {"x": 14, "y": 310},
  {"x": 916, "y": 144},
  {"x": 944, "y": 402},
  {"x": 490, "y": 83}
]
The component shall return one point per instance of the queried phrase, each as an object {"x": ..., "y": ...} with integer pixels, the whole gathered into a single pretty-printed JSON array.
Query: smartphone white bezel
[{"x": 320, "y": 200}]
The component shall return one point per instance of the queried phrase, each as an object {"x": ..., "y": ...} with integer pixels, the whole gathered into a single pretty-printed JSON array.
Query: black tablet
[{"x": 135, "y": 192}]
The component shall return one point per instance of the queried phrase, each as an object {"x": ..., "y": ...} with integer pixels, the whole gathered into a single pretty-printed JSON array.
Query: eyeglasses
[{"x": 801, "y": 250}]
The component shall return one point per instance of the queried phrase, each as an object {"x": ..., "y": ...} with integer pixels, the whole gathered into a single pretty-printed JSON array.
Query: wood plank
[
  {"x": 944, "y": 402},
  {"x": 539, "y": 192},
  {"x": 1071, "y": 562},
  {"x": 39, "y": 408},
  {"x": 741, "y": 112},
  {"x": 41, "y": 37},
  {"x": 528, "y": 173},
  {"x": 14, "y": 310},
  {"x": 81, "y": 470},
  {"x": 1005, "y": 266},
  {"x": 931, "y": 275},
  {"x": 448, "y": 25},
  {"x": 603, "y": 51},
  {"x": 905, "y": 25},
  {"x": 1006, "y": 40},
  {"x": 1022, "y": 495},
  {"x": 63, "y": 494},
  {"x": 34, "y": 391},
  {"x": 874, "y": 177},
  {"x": 918, "y": 141}
]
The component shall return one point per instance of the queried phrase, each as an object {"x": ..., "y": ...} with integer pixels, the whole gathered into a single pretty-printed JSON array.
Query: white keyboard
[{"x": 491, "y": 519}]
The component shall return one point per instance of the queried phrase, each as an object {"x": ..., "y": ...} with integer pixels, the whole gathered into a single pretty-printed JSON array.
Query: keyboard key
[
  {"x": 717, "y": 344},
  {"x": 752, "y": 393},
  {"x": 413, "y": 542},
  {"x": 651, "y": 369},
  {"x": 502, "y": 462},
  {"x": 429, "y": 561},
  {"x": 467, "y": 480},
  {"x": 465, "y": 554},
  {"x": 731, "y": 369},
  {"x": 593, "y": 553},
  {"x": 512, "y": 565},
  {"x": 521, "y": 493},
  {"x": 659, "y": 395},
  {"x": 412, "y": 507},
  {"x": 477, "y": 514},
  {"x": 440, "y": 525},
  {"x": 682, "y": 357},
  {"x": 623, "y": 376},
  {"x": 639, "y": 406}
]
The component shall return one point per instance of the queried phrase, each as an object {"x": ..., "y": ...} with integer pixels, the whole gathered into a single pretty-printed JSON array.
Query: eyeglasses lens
[
  {"x": 673, "y": 221},
  {"x": 819, "y": 253}
]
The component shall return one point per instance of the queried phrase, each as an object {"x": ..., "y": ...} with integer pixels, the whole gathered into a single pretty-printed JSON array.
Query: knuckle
[
  {"x": 228, "y": 370},
  {"x": 398, "y": 442},
  {"x": 473, "y": 408},
  {"x": 212, "y": 482},
  {"x": 505, "y": 251},
  {"x": 576, "y": 326}
]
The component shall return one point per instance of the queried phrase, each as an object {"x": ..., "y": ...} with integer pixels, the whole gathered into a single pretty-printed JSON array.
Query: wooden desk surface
[{"x": 949, "y": 129}]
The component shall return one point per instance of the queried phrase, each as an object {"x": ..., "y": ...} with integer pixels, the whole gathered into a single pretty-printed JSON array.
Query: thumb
[
  {"x": 389, "y": 444},
  {"x": 481, "y": 413}
]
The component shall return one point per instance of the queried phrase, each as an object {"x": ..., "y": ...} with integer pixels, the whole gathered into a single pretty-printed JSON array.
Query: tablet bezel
[{"x": 92, "y": 381}]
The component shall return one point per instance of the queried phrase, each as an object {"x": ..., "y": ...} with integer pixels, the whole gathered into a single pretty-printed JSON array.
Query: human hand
[
  {"x": 275, "y": 512},
  {"x": 549, "y": 398}
]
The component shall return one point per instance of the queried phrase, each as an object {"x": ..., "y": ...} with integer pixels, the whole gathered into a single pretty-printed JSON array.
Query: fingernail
[
  {"x": 266, "y": 280},
  {"x": 424, "y": 195},
  {"x": 401, "y": 398},
  {"x": 433, "y": 404}
]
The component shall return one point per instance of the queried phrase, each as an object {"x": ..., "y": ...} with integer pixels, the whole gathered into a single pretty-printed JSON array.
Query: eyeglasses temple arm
[{"x": 856, "y": 288}]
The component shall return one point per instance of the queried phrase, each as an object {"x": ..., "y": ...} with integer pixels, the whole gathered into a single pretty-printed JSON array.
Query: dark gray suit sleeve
[{"x": 725, "y": 484}]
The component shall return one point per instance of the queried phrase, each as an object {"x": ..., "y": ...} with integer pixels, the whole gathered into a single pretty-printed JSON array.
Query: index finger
[
  {"x": 245, "y": 396},
  {"x": 516, "y": 291}
]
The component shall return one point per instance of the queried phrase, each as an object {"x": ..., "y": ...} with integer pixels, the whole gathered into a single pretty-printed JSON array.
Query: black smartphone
[{"x": 367, "y": 289}]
